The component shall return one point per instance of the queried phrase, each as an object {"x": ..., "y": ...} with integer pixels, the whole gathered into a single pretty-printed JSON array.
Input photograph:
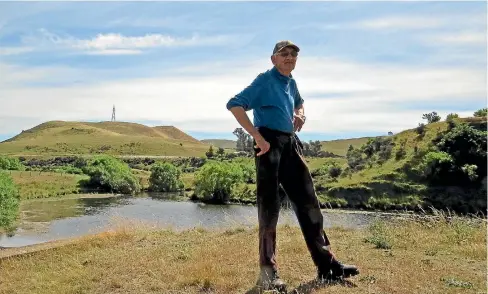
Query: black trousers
[{"x": 284, "y": 164}]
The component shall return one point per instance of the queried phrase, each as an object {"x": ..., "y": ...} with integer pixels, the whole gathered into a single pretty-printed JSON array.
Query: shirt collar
[{"x": 279, "y": 75}]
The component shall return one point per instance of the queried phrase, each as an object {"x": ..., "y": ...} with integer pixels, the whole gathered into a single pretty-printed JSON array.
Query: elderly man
[{"x": 278, "y": 113}]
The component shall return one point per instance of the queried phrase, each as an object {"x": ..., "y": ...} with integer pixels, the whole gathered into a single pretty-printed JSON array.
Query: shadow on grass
[{"x": 306, "y": 288}]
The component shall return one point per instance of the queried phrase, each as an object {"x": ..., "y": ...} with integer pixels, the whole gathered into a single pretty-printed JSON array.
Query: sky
[{"x": 364, "y": 69}]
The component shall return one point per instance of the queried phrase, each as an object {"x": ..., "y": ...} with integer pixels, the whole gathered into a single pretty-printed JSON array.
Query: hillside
[
  {"x": 339, "y": 147},
  {"x": 221, "y": 143},
  {"x": 117, "y": 138},
  {"x": 394, "y": 170}
]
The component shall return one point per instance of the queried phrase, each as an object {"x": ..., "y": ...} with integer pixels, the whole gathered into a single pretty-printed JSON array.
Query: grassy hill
[
  {"x": 339, "y": 147},
  {"x": 221, "y": 143},
  {"x": 116, "y": 138},
  {"x": 392, "y": 179}
]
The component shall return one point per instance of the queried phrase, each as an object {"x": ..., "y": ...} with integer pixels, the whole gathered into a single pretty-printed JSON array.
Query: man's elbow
[{"x": 232, "y": 106}]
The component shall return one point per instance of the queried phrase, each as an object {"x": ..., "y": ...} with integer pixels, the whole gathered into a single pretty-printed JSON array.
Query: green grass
[
  {"x": 115, "y": 138},
  {"x": 35, "y": 184},
  {"x": 339, "y": 147},
  {"x": 384, "y": 181}
]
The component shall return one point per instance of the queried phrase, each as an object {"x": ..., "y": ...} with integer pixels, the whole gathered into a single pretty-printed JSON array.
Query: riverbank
[{"x": 434, "y": 256}]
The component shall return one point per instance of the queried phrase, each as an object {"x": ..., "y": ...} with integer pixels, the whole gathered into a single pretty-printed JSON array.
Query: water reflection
[{"x": 51, "y": 219}]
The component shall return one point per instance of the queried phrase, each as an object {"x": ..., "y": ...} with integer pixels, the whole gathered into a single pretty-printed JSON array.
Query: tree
[
  {"x": 480, "y": 112},
  {"x": 431, "y": 117},
  {"x": 451, "y": 116},
  {"x": 165, "y": 177},
  {"x": 220, "y": 151},
  {"x": 9, "y": 201},
  {"x": 210, "y": 152},
  {"x": 242, "y": 139},
  {"x": 249, "y": 144},
  {"x": 390, "y": 133}
]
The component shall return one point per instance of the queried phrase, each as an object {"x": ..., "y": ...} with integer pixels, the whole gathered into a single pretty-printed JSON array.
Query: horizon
[{"x": 364, "y": 69}]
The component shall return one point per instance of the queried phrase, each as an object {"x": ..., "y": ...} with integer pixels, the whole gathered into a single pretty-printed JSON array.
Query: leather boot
[
  {"x": 270, "y": 280},
  {"x": 337, "y": 271}
]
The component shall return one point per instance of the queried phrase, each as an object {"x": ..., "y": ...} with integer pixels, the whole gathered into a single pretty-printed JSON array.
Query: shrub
[
  {"x": 436, "y": 164},
  {"x": 165, "y": 177},
  {"x": 112, "y": 175},
  {"x": 215, "y": 180},
  {"x": 481, "y": 112},
  {"x": 420, "y": 129},
  {"x": 335, "y": 171},
  {"x": 249, "y": 172},
  {"x": 467, "y": 146},
  {"x": 9, "y": 200},
  {"x": 10, "y": 163}
]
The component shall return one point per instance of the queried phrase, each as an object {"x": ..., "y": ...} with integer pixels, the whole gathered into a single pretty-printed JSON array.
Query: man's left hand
[{"x": 298, "y": 122}]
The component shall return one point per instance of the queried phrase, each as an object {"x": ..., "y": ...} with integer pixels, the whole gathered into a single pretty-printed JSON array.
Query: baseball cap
[{"x": 285, "y": 43}]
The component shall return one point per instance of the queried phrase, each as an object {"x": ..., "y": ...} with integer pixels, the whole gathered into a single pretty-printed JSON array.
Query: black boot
[
  {"x": 337, "y": 271},
  {"x": 270, "y": 280}
]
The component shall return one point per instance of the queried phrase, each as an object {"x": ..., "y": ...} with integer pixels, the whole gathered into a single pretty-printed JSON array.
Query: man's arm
[
  {"x": 244, "y": 101},
  {"x": 243, "y": 119}
]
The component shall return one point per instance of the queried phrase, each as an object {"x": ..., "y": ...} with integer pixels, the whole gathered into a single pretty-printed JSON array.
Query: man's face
[{"x": 285, "y": 59}]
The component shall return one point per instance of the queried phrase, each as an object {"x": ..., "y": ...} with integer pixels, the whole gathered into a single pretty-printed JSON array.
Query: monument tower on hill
[{"x": 113, "y": 114}]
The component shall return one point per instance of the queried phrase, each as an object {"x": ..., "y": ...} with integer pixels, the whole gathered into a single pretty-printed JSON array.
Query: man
[{"x": 278, "y": 113}]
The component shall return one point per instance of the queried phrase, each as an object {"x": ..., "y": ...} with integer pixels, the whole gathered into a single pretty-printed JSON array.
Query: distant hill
[
  {"x": 339, "y": 147},
  {"x": 117, "y": 138},
  {"x": 221, "y": 143}
]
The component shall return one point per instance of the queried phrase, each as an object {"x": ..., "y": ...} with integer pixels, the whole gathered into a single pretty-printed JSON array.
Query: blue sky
[{"x": 365, "y": 68}]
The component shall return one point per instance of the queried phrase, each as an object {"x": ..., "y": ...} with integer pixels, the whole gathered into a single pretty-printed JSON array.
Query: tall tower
[{"x": 113, "y": 114}]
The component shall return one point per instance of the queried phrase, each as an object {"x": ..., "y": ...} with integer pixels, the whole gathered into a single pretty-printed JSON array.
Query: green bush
[
  {"x": 112, "y": 175},
  {"x": 215, "y": 180},
  {"x": 10, "y": 163},
  {"x": 481, "y": 112},
  {"x": 9, "y": 200},
  {"x": 165, "y": 177},
  {"x": 435, "y": 165}
]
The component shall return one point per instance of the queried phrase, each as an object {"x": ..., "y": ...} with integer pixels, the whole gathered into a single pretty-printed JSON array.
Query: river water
[{"x": 54, "y": 219}]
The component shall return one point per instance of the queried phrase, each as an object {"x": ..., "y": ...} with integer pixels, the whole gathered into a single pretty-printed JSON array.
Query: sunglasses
[{"x": 285, "y": 54}]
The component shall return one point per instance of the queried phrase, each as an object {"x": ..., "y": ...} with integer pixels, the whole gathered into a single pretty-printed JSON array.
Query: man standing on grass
[{"x": 279, "y": 113}]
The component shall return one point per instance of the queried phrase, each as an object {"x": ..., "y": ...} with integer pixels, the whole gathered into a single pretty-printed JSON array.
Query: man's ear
[{"x": 273, "y": 59}]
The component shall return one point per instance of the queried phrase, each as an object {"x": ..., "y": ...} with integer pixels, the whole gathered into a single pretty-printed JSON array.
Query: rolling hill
[
  {"x": 338, "y": 147},
  {"x": 221, "y": 143},
  {"x": 116, "y": 138}
]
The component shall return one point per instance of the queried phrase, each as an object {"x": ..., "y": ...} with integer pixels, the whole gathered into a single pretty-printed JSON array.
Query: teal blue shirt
[{"x": 273, "y": 98}]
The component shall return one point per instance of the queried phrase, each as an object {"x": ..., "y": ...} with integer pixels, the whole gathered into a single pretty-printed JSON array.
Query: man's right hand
[{"x": 262, "y": 144}]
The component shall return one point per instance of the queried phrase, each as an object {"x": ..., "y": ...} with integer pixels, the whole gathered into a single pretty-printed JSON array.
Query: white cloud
[
  {"x": 400, "y": 22},
  {"x": 467, "y": 38},
  {"x": 118, "y": 44},
  {"x": 419, "y": 22},
  {"x": 360, "y": 97},
  {"x": 14, "y": 50}
]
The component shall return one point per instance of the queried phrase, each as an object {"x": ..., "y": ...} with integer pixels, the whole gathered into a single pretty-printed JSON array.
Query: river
[{"x": 44, "y": 220}]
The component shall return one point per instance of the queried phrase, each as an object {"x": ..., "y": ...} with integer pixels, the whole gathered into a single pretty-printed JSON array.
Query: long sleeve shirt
[{"x": 273, "y": 98}]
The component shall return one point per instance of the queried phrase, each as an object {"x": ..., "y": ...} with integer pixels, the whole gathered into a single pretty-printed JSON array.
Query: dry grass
[{"x": 425, "y": 257}]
